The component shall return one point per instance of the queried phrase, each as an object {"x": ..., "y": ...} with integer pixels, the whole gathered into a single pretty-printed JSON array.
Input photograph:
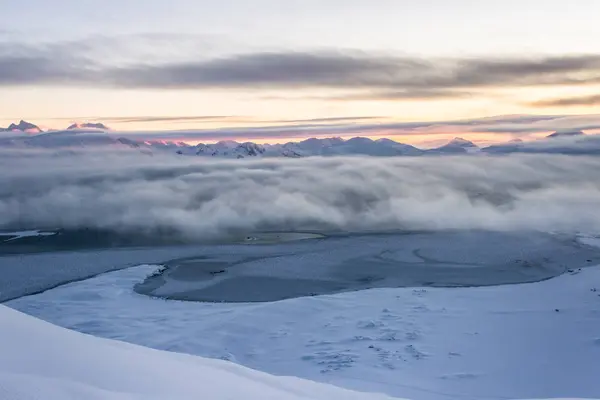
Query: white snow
[
  {"x": 589, "y": 239},
  {"x": 538, "y": 340},
  {"x": 21, "y": 234},
  {"x": 426, "y": 344},
  {"x": 42, "y": 361}
]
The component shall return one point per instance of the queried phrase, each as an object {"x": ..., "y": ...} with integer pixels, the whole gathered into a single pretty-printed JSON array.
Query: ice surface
[
  {"x": 24, "y": 274},
  {"x": 513, "y": 341},
  {"x": 334, "y": 265},
  {"x": 22, "y": 234}
]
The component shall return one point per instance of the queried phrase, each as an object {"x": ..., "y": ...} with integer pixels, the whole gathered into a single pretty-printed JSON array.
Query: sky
[{"x": 193, "y": 65}]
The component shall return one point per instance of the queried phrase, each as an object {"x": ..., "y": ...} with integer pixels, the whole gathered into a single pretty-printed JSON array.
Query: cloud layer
[
  {"x": 516, "y": 125},
  {"x": 523, "y": 126},
  {"x": 374, "y": 75},
  {"x": 569, "y": 101},
  {"x": 131, "y": 192}
]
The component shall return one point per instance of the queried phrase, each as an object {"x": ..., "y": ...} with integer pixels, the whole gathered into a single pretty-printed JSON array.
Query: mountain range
[
  {"x": 28, "y": 127},
  {"x": 22, "y": 126},
  {"x": 76, "y": 138},
  {"x": 97, "y": 134}
]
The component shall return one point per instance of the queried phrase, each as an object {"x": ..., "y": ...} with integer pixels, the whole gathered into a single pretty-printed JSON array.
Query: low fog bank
[{"x": 207, "y": 198}]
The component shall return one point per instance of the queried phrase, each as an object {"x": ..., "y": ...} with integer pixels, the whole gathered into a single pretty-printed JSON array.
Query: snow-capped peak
[
  {"x": 457, "y": 145},
  {"x": 89, "y": 125},
  {"x": 460, "y": 142},
  {"x": 24, "y": 126}
]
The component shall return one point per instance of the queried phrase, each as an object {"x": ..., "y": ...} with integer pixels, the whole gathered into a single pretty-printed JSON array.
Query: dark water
[
  {"x": 334, "y": 265},
  {"x": 277, "y": 269}
]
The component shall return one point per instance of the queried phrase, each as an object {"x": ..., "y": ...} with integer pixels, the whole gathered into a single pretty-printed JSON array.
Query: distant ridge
[
  {"x": 89, "y": 125},
  {"x": 94, "y": 135}
]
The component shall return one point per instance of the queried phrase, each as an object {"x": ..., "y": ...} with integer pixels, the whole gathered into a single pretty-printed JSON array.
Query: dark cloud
[
  {"x": 18, "y": 70},
  {"x": 525, "y": 130},
  {"x": 569, "y": 101},
  {"x": 230, "y": 118},
  {"x": 384, "y": 95},
  {"x": 511, "y": 119},
  {"x": 273, "y": 70},
  {"x": 88, "y": 62},
  {"x": 329, "y": 119},
  {"x": 517, "y": 125},
  {"x": 207, "y": 119},
  {"x": 418, "y": 94},
  {"x": 357, "y": 71},
  {"x": 589, "y": 122},
  {"x": 96, "y": 63},
  {"x": 199, "y": 118}
]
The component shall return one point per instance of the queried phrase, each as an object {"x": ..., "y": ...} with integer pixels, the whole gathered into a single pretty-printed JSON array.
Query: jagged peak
[
  {"x": 24, "y": 126},
  {"x": 458, "y": 141}
]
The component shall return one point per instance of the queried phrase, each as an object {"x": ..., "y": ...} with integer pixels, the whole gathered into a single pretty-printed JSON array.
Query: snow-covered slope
[
  {"x": 230, "y": 149},
  {"x": 449, "y": 344},
  {"x": 314, "y": 146},
  {"x": 309, "y": 147},
  {"x": 330, "y": 147},
  {"x": 42, "y": 361}
]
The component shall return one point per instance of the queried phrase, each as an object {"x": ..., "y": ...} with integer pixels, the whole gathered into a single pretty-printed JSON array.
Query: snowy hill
[
  {"x": 46, "y": 362},
  {"x": 22, "y": 126}
]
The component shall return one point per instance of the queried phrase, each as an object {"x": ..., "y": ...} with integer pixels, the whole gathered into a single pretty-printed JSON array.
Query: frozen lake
[
  {"x": 286, "y": 265},
  {"x": 341, "y": 264},
  {"x": 427, "y": 343},
  {"x": 494, "y": 342}
]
